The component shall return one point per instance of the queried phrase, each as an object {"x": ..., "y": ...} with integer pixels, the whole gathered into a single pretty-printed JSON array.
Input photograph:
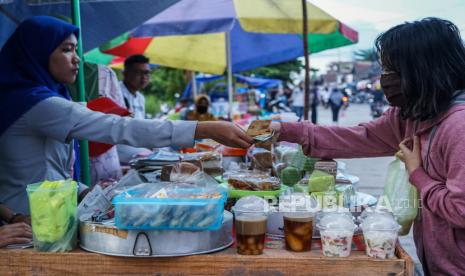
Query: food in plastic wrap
[
  {"x": 347, "y": 192},
  {"x": 254, "y": 181},
  {"x": 328, "y": 166},
  {"x": 170, "y": 205},
  {"x": 53, "y": 215},
  {"x": 214, "y": 172},
  {"x": 284, "y": 154},
  {"x": 320, "y": 181},
  {"x": 261, "y": 159},
  {"x": 211, "y": 161},
  {"x": 183, "y": 171},
  {"x": 207, "y": 145},
  {"x": 277, "y": 169},
  {"x": 291, "y": 176}
]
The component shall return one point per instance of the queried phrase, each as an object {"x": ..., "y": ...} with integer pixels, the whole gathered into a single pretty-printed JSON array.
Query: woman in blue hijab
[{"x": 39, "y": 121}]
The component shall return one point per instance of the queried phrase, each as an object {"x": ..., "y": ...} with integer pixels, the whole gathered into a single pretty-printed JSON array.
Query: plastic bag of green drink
[
  {"x": 400, "y": 196},
  {"x": 53, "y": 206}
]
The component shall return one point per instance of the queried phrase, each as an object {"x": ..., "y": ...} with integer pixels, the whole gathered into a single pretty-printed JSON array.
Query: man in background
[{"x": 136, "y": 77}]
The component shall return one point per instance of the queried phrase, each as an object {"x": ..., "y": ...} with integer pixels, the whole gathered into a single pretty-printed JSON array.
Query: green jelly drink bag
[{"x": 53, "y": 206}]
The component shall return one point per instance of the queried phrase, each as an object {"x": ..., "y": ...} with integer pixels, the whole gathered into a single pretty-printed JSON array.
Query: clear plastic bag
[
  {"x": 253, "y": 181},
  {"x": 211, "y": 161},
  {"x": 53, "y": 215},
  {"x": 184, "y": 172},
  {"x": 284, "y": 154},
  {"x": 400, "y": 196},
  {"x": 262, "y": 159}
]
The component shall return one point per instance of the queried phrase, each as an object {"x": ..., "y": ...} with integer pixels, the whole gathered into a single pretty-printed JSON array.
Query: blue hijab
[{"x": 24, "y": 76}]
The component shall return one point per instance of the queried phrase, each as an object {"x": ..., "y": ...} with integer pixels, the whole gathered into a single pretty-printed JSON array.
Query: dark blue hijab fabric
[{"x": 24, "y": 76}]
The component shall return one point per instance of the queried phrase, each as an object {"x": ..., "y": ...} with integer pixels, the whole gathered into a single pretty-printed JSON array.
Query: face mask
[
  {"x": 202, "y": 109},
  {"x": 390, "y": 83}
]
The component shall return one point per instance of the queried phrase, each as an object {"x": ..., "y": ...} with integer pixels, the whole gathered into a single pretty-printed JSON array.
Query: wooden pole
[{"x": 307, "y": 60}]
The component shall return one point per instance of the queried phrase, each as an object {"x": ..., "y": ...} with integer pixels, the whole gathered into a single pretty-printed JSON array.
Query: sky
[{"x": 372, "y": 17}]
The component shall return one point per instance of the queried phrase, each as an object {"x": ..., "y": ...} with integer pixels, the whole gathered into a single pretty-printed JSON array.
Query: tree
[
  {"x": 281, "y": 71},
  {"x": 366, "y": 55}
]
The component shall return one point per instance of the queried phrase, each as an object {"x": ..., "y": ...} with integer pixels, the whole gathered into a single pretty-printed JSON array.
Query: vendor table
[{"x": 226, "y": 262}]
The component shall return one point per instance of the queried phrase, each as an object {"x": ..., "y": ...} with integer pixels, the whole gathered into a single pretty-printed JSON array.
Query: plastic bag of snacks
[{"x": 53, "y": 206}]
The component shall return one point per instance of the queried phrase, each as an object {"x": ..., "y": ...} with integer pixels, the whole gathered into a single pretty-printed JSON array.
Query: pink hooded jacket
[{"x": 439, "y": 229}]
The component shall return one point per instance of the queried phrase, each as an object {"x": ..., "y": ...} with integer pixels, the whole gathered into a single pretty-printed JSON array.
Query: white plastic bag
[{"x": 400, "y": 196}]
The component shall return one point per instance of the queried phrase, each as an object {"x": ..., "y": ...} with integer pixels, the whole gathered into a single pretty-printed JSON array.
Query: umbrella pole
[
  {"x": 194, "y": 84},
  {"x": 230, "y": 86},
  {"x": 83, "y": 145},
  {"x": 307, "y": 60}
]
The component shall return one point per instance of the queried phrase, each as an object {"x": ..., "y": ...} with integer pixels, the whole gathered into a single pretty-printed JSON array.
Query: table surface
[{"x": 226, "y": 262}]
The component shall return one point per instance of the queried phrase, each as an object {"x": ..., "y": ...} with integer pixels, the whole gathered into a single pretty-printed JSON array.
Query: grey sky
[{"x": 370, "y": 18}]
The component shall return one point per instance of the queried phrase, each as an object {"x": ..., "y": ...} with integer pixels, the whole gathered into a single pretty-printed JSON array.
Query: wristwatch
[{"x": 12, "y": 218}]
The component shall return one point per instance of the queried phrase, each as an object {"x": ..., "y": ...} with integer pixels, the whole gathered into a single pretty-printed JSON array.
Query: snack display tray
[
  {"x": 235, "y": 193},
  {"x": 108, "y": 240}
]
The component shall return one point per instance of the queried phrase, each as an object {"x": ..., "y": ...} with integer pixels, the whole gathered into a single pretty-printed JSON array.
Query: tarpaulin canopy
[{"x": 264, "y": 83}]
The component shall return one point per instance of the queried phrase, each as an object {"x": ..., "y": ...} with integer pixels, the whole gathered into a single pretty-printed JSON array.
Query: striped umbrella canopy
[
  {"x": 101, "y": 20},
  {"x": 207, "y": 53},
  {"x": 233, "y": 35}
]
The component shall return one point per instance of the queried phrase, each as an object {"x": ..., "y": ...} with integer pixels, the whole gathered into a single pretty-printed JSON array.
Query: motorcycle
[{"x": 377, "y": 109}]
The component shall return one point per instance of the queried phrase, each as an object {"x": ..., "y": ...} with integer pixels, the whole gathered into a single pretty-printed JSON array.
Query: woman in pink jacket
[{"x": 424, "y": 81}]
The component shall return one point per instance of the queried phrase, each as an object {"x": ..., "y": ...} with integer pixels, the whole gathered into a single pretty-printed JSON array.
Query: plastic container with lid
[
  {"x": 380, "y": 231},
  {"x": 336, "y": 231},
  {"x": 250, "y": 219}
]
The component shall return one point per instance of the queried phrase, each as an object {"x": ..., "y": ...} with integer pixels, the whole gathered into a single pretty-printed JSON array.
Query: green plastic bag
[
  {"x": 53, "y": 206},
  {"x": 400, "y": 196}
]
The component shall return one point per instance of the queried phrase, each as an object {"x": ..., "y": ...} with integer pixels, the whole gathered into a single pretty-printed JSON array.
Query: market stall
[{"x": 214, "y": 210}]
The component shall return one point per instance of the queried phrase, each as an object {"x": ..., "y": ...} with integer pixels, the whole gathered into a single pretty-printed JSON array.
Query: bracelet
[{"x": 12, "y": 218}]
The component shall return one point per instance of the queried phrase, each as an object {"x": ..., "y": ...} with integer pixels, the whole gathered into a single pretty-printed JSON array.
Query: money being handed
[{"x": 260, "y": 131}]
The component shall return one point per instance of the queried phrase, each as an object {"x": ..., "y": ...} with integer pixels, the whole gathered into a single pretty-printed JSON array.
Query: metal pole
[
  {"x": 83, "y": 145},
  {"x": 307, "y": 61},
  {"x": 194, "y": 84},
  {"x": 229, "y": 63}
]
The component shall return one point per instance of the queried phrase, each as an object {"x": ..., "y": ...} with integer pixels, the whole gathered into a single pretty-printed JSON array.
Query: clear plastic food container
[
  {"x": 170, "y": 208},
  {"x": 336, "y": 231},
  {"x": 380, "y": 231}
]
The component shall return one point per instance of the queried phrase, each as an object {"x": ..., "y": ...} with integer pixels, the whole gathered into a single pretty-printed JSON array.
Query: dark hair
[
  {"x": 135, "y": 59},
  {"x": 429, "y": 56}
]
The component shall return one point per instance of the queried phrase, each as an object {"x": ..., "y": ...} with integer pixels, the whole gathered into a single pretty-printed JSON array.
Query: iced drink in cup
[
  {"x": 250, "y": 217},
  {"x": 336, "y": 231},
  {"x": 250, "y": 232},
  {"x": 298, "y": 229}
]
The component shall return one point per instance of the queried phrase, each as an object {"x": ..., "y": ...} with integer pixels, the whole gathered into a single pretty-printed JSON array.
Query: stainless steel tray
[{"x": 108, "y": 240}]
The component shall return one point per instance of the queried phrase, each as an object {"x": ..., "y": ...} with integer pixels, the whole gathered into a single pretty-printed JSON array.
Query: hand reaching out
[{"x": 225, "y": 133}]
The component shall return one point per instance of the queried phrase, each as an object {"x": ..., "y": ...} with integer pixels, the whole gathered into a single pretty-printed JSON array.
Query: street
[{"x": 371, "y": 171}]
